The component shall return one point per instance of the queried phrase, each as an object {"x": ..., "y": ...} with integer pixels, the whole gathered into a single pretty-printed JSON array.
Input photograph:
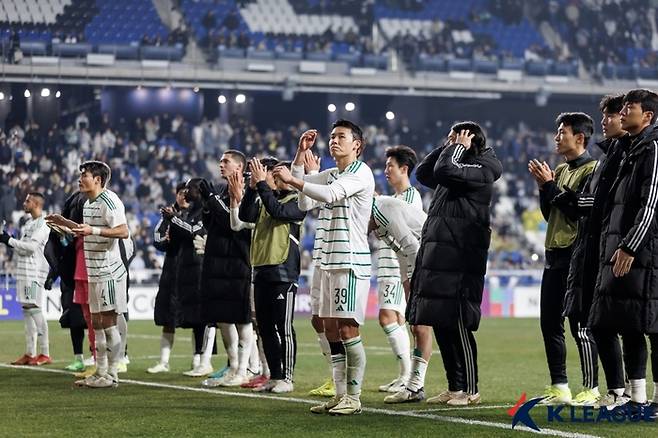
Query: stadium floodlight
[
  {"x": 196, "y": 89},
  {"x": 58, "y": 94},
  {"x": 390, "y": 115},
  {"x": 45, "y": 92},
  {"x": 2, "y": 95},
  {"x": 534, "y": 257},
  {"x": 331, "y": 108},
  {"x": 221, "y": 99},
  {"x": 349, "y": 106},
  {"x": 27, "y": 93},
  {"x": 240, "y": 98}
]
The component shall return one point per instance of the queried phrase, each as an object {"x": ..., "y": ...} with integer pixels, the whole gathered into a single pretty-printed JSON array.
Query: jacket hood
[
  {"x": 489, "y": 159},
  {"x": 642, "y": 141}
]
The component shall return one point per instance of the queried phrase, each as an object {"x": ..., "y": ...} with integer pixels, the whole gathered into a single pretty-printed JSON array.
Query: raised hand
[
  {"x": 541, "y": 171},
  {"x": 283, "y": 173},
  {"x": 464, "y": 138},
  {"x": 258, "y": 171},
  {"x": 311, "y": 162},
  {"x": 307, "y": 140}
]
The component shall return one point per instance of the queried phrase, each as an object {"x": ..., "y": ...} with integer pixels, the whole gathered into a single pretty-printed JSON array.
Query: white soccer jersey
[
  {"x": 102, "y": 254},
  {"x": 341, "y": 239},
  {"x": 388, "y": 268},
  {"x": 31, "y": 264},
  {"x": 399, "y": 225}
]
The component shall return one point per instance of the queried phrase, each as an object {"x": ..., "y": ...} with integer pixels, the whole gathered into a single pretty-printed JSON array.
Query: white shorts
[
  {"x": 108, "y": 295},
  {"x": 316, "y": 282},
  {"x": 30, "y": 292},
  {"x": 343, "y": 295},
  {"x": 391, "y": 295}
]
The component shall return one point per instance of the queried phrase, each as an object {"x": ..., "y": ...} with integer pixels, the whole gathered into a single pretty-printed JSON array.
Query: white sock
[
  {"x": 562, "y": 386},
  {"x": 208, "y": 342},
  {"x": 398, "y": 339},
  {"x": 246, "y": 337},
  {"x": 617, "y": 391},
  {"x": 42, "y": 331},
  {"x": 231, "y": 340},
  {"x": 655, "y": 392},
  {"x": 122, "y": 326},
  {"x": 30, "y": 333},
  {"x": 356, "y": 365},
  {"x": 639, "y": 390},
  {"x": 196, "y": 361},
  {"x": 263, "y": 359},
  {"x": 101, "y": 352},
  {"x": 338, "y": 368},
  {"x": 114, "y": 348},
  {"x": 254, "y": 358},
  {"x": 418, "y": 370},
  {"x": 166, "y": 342}
]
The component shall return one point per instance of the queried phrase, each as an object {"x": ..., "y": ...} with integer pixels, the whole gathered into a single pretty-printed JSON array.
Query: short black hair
[
  {"x": 404, "y": 156},
  {"x": 284, "y": 163},
  {"x": 97, "y": 168},
  {"x": 38, "y": 195},
  {"x": 180, "y": 186},
  {"x": 647, "y": 99},
  {"x": 269, "y": 162},
  {"x": 357, "y": 133},
  {"x": 611, "y": 103},
  {"x": 479, "y": 140},
  {"x": 237, "y": 155},
  {"x": 580, "y": 123}
]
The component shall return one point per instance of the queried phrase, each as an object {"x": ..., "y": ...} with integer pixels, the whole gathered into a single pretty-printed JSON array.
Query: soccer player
[
  {"x": 275, "y": 257},
  {"x": 626, "y": 288},
  {"x": 344, "y": 194},
  {"x": 448, "y": 280},
  {"x": 104, "y": 225},
  {"x": 400, "y": 162},
  {"x": 573, "y": 133},
  {"x": 584, "y": 266},
  {"x": 399, "y": 225},
  {"x": 31, "y": 272}
]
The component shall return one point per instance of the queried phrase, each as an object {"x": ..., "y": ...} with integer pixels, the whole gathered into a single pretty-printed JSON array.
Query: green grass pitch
[{"x": 44, "y": 402}]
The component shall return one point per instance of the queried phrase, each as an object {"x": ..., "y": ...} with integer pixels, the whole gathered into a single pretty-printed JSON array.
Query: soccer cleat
[
  {"x": 234, "y": 379},
  {"x": 266, "y": 387},
  {"x": 86, "y": 380},
  {"x": 464, "y": 399},
  {"x": 588, "y": 397},
  {"x": 556, "y": 396},
  {"x": 653, "y": 411},
  {"x": 122, "y": 367},
  {"x": 76, "y": 365},
  {"x": 395, "y": 386},
  {"x": 405, "y": 396},
  {"x": 212, "y": 383},
  {"x": 158, "y": 368},
  {"x": 444, "y": 397},
  {"x": 256, "y": 382},
  {"x": 219, "y": 373},
  {"x": 325, "y": 407},
  {"x": 327, "y": 389},
  {"x": 611, "y": 400},
  {"x": 87, "y": 372},
  {"x": 348, "y": 405},
  {"x": 41, "y": 359},
  {"x": 200, "y": 371},
  {"x": 105, "y": 381},
  {"x": 23, "y": 360},
  {"x": 283, "y": 386},
  {"x": 89, "y": 362}
]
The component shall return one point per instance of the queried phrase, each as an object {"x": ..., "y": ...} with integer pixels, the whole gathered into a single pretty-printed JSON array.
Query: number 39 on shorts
[{"x": 340, "y": 296}]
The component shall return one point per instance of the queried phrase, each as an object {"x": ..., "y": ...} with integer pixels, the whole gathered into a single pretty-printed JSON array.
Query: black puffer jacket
[
  {"x": 630, "y": 303},
  {"x": 183, "y": 230},
  {"x": 584, "y": 261},
  {"x": 166, "y": 300},
  {"x": 226, "y": 275},
  {"x": 452, "y": 260}
]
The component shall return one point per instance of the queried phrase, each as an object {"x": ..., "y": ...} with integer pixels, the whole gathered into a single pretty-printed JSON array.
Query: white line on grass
[
  {"x": 412, "y": 414},
  {"x": 464, "y": 408}
]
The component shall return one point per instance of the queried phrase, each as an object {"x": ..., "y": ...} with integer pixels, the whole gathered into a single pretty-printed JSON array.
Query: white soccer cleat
[
  {"x": 406, "y": 396},
  {"x": 394, "y": 386},
  {"x": 348, "y": 405},
  {"x": 444, "y": 397},
  {"x": 282, "y": 387},
  {"x": 464, "y": 399},
  {"x": 105, "y": 381},
  {"x": 200, "y": 371},
  {"x": 158, "y": 368},
  {"x": 234, "y": 379},
  {"x": 325, "y": 407}
]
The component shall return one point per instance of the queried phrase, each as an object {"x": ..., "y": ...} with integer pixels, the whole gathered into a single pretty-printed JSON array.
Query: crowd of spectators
[{"x": 150, "y": 156}]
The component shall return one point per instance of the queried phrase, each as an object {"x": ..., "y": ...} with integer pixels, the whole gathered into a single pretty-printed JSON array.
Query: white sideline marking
[
  {"x": 464, "y": 408},
  {"x": 412, "y": 414}
]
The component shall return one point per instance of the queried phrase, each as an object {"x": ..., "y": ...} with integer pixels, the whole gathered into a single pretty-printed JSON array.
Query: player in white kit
[
  {"x": 31, "y": 272},
  {"x": 400, "y": 162},
  {"x": 344, "y": 195},
  {"x": 104, "y": 225}
]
